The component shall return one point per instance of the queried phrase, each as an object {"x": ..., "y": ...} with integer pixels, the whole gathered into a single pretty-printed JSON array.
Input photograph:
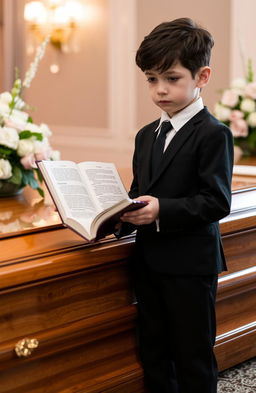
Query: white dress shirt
[{"x": 180, "y": 119}]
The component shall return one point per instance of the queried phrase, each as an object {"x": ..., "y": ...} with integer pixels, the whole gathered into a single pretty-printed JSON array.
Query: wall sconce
[{"x": 58, "y": 19}]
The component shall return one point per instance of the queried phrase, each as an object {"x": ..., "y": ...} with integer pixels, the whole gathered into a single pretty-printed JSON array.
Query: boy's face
[{"x": 175, "y": 88}]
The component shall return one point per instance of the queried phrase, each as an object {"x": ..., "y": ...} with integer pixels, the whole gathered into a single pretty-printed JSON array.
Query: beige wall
[
  {"x": 99, "y": 99},
  {"x": 77, "y": 95},
  {"x": 243, "y": 43}
]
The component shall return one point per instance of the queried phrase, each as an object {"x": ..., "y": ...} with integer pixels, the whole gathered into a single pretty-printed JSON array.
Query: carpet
[{"x": 238, "y": 379}]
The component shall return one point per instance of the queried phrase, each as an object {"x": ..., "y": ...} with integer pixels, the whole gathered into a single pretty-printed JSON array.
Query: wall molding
[{"x": 122, "y": 76}]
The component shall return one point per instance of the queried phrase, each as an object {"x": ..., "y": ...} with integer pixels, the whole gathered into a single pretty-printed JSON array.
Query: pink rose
[
  {"x": 239, "y": 128},
  {"x": 43, "y": 155},
  {"x": 28, "y": 161},
  {"x": 250, "y": 90},
  {"x": 236, "y": 115},
  {"x": 230, "y": 98}
]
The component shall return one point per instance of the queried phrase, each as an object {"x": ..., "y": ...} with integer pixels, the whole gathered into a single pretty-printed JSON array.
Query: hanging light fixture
[{"x": 59, "y": 19}]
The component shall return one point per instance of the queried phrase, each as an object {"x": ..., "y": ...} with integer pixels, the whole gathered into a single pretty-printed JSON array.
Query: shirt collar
[{"x": 182, "y": 117}]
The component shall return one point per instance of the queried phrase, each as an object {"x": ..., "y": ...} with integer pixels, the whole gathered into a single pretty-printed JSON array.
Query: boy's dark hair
[{"x": 180, "y": 40}]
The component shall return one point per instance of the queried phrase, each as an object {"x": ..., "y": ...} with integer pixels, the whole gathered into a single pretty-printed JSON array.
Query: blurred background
[{"x": 87, "y": 87}]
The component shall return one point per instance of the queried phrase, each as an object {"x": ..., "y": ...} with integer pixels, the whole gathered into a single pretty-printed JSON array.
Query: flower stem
[{"x": 250, "y": 75}]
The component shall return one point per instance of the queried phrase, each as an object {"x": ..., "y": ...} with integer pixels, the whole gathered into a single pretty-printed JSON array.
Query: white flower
[
  {"x": 250, "y": 90},
  {"x": 34, "y": 65},
  {"x": 252, "y": 119},
  {"x": 4, "y": 109},
  {"x": 247, "y": 105},
  {"x": 238, "y": 83},
  {"x": 5, "y": 169},
  {"x": 18, "y": 116},
  {"x": 25, "y": 147},
  {"x": 222, "y": 112},
  {"x": 19, "y": 103},
  {"x": 32, "y": 127},
  {"x": 29, "y": 146},
  {"x": 6, "y": 97},
  {"x": 55, "y": 155},
  {"x": 45, "y": 130},
  {"x": 230, "y": 98},
  {"x": 41, "y": 146},
  {"x": 9, "y": 137}
]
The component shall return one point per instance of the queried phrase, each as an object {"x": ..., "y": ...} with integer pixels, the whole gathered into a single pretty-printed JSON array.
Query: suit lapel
[
  {"x": 146, "y": 163},
  {"x": 177, "y": 142}
]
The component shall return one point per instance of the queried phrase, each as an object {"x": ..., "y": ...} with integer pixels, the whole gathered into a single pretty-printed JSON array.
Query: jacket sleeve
[{"x": 213, "y": 198}]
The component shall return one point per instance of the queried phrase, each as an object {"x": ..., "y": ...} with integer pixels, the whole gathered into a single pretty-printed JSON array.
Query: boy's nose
[{"x": 162, "y": 88}]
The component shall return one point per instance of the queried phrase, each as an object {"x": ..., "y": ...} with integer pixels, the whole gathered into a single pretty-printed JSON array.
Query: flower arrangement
[
  {"x": 22, "y": 142},
  {"x": 237, "y": 109}
]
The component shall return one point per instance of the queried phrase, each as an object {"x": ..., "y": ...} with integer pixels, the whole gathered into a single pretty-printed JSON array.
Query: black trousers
[{"x": 176, "y": 330}]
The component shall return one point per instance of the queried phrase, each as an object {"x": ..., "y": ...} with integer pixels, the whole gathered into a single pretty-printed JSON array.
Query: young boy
[{"x": 186, "y": 182}]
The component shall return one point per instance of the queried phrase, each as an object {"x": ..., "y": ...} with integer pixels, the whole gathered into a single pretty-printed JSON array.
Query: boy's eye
[
  {"x": 172, "y": 78},
  {"x": 151, "y": 79}
]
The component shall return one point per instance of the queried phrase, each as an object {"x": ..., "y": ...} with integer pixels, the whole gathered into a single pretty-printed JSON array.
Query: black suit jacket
[{"x": 193, "y": 186}]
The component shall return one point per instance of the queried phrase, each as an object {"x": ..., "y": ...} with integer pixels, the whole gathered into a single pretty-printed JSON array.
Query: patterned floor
[{"x": 239, "y": 379}]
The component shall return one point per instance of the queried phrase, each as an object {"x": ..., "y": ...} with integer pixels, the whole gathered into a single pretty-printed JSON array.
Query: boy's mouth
[{"x": 164, "y": 102}]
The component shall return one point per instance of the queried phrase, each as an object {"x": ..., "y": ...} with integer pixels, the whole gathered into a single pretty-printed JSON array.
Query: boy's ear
[{"x": 203, "y": 76}]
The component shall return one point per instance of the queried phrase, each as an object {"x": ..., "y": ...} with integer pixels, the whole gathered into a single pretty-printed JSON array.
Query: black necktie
[{"x": 158, "y": 147}]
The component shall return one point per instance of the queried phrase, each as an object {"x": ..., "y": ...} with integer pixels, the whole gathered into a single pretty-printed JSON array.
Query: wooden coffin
[{"x": 67, "y": 312}]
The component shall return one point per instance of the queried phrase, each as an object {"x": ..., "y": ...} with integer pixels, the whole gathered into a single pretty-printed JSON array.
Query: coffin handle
[{"x": 26, "y": 346}]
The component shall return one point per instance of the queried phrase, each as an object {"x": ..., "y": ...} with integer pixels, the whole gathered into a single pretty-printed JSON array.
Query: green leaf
[
  {"x": 40, "y": 191},
  {"x": 16, "y": 176},
  {"x": 30, "y": 120},
  {"x": 5, "y": 151},
  {"x": 25, "y": 134},
  {"x": 29, "y": 179},
  {"x": 39, "y": 175},
  {"x": 252, "y": 139},
  {"x": 28, "y": 134}
]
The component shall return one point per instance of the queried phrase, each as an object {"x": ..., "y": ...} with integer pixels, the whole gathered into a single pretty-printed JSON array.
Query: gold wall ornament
[{"x": 26, "y": 346}]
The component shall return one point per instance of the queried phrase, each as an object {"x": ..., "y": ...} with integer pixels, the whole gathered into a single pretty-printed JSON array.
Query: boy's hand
[{"x": 145, "y": 215}]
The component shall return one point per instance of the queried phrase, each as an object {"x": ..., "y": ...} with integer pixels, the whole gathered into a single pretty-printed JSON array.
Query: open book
[{"x": 90, "y": 196}]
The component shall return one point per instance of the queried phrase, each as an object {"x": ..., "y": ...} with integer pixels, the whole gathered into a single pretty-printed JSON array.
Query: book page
[
  {"x": 104, "y": 182},
  {"x": 76, "y": 200},
  {"x": 247, "y": 170}
]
